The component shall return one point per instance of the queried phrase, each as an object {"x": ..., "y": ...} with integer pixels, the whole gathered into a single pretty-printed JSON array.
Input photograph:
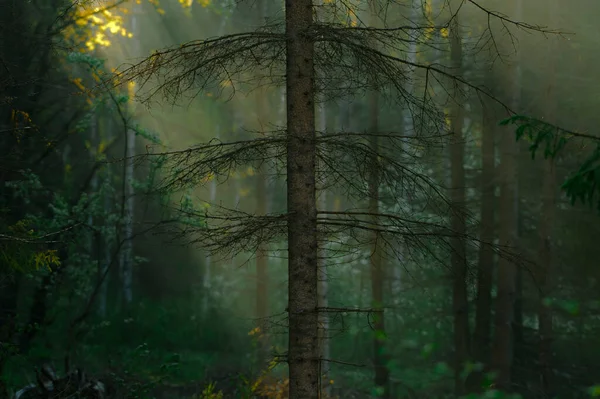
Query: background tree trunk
[
  {"x": 105, "y": 129},
  {"x": 262, "y": 259},
  {"x": 382, "y": 373},
  {"x": 458, "y": 257},
  {"x": 303, "y": 348},
  {"x": 485, "y": 266},
  {"x": 323, "y": 288},
  {"x": 376, "y": 261},
  {"x": 545, "y": 275},
  {"x": 503, "y": 352},
  {"x": 209, "y": 261},
  {"x": 128, "y": 193}
]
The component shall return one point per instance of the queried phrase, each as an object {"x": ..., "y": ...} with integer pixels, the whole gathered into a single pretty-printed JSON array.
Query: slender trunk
[
  {"x": 382, "y": 373},
  {"x": 503, "y": 348},
  {"x": 262, "y": 304},
  {"x": 411, "y": 56},
  {"x": 518, "y": 332},
  {"x": 458, "y": 257},
  {"x": 303, "y": 355},
  {"x": 94, "y": 180},
  {"x": 208, "y": 262},
  {"x": 129, "y": 200},
  {"x": 545, "y": 266},
  {"x": 323, "y": 288},
  {"x": 127, "y": 255},
  {"x": 376, "y": 259},
  {"x": 502, "y": 353},
  {"x": 93, "y": 237},
  {"x": 262, "y": 260},
  {"x": 485, "y": 266},
  {"x": 544, "y": 279},
  {"x": 108, "y": 203}
]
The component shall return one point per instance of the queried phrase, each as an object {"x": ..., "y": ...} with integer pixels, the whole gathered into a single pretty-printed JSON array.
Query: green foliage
[
  {"x": 539, "y": 135},
  {"x": 584, "y": 184},
  {"x": 210, "y": 392}
]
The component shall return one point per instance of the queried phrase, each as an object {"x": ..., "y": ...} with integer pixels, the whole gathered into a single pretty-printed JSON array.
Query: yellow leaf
[
  {"x": 46, "y": 259},
  {"x": 131, "y": 89},
  {"x": 427, "y": 9},
  {"x": 448, "y": 122},
  {"x": 208, "y": 178},
  {"x": 444, "y": 32}
]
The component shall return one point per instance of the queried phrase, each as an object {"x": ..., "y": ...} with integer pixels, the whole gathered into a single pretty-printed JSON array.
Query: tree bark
[
  {"x": 485, "y": 266},
  {"x": 128, "y": 199},
  {"x": 208, "y": 260},
  {"x": 544, "y": 278},
  {"x": 382, "y": 374},
  {"x": 502, "y": 354},
  {"x": 303, "y": 355},
  {"x": 323, "y": 289},
  {"x": 262, "y": 260},
  {"x": 545, "y": 275},
  {"x": 458, "y": 257},
  {"x": 376, "y": 260},
  {"x": 105, "y": 129}
]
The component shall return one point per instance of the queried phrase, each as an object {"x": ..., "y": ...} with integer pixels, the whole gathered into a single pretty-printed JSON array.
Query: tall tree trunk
[
  {"x": 545, "y": 275},
  {"x": 303, "y": 348},
  {"x": 458, "y": 257},
  {"x": 411, "y": 56},
  {"x": 323, "y": 289},
  {"x": 376, "y": 259},
  {"x": 503, "y": 348},
  {"x": 485, "y": 266},
  {"x": 105, "y": 127},
  {"x": 382, "y": 374},
  {"x": 128, "y": 195},
  {"x": 262, "y": 260},
  {"x": 128, "y": 209},
  {"x": 208, "y": 260}
]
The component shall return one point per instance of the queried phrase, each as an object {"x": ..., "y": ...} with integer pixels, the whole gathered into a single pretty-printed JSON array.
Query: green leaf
[{"x": 505, "y": 122}]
